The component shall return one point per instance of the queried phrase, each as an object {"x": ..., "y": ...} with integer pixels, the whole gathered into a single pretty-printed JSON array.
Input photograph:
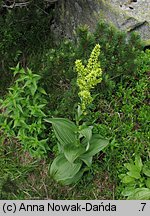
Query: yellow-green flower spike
[{"x": 88, "y": 77}]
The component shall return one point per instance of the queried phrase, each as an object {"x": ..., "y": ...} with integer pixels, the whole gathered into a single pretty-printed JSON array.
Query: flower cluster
[{"x": 88, "y": 77}]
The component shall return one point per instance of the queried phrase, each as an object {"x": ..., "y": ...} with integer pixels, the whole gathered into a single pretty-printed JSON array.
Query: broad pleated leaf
[
  {"x": 72, "y": 152},
  {"x": 96, "y": 145},
  {"x": 64, "y": 129},
  {"x": 74, "y": 179},
  {"x": 87, "y": 133},
  {"x": 63, "y": 171},
  {"x": 140, "y": 194},
  {"x": 87, "y": 160}
]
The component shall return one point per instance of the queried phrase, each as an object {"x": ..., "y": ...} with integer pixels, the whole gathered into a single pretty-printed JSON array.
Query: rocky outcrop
[
  {"x": 137, "y": 16},
  {"x": 71, "y": 13},
  {"x": 128, "y": 15}
]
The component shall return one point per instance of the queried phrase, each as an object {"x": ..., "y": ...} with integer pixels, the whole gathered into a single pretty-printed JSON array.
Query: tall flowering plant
[{"x": 76, "y": 143}]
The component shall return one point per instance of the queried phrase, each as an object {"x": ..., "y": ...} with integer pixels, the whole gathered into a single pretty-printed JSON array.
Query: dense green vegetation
[{"x": 47, "y": 85}]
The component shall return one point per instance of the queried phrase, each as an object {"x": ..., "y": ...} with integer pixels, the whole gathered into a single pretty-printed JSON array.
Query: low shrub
[{"x": 22, "y": 112}]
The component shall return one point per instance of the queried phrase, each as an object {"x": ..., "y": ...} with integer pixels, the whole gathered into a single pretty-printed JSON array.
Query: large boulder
[
  {"x": 137, "y": 16},
  {"x": 128, "y": 15}
]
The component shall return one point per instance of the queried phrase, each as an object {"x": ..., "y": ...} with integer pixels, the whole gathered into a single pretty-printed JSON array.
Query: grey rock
[
  {"x": 137, "y": 16},
  {"x": 127, "y": 15}
]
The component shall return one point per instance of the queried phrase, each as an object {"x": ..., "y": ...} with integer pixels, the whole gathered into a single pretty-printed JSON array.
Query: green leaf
[
  {"x": 79, "y": 114},
  {"x": 28, "y": 83},
  {"x": 63, "y": 171},
  {"x": 128, "y": 191},
  {"x": 42, "y": 91},
  {"x": 74, "y": 179},
  {"x": 20, "y": 108},
  {"x": 64, "y": 129},
  {"x": 87, "y": 133},
  {"x": 133, "y": 170},
  {"x": 29, "y": 71},
  {"x": 148, "y": 183},
  {"x": 128, "y": 179},
  {"x": 134, "y": 173},
  {"x": 43, "y": 145},
  {"x": 87, "y": 160},
  {"x": 33, "y": 88},
  {"x": 129, "y": 166},
  {"x": 96, "y": 145},
  {"x": 16, "y": 123},
  {"x": 140, "y": 194},
  {"x": 138, "y": 163},
  {"x": 22, "y": 79},
  {"x": 72, "y": 152},
  {"x": 16, "y": 69},
  {"x": 121, "y": 176},
  {"x": 146, "y": 168}
]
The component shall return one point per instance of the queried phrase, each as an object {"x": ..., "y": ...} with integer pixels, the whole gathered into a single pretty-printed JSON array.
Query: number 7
[{"x": 144, "y": 204}]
